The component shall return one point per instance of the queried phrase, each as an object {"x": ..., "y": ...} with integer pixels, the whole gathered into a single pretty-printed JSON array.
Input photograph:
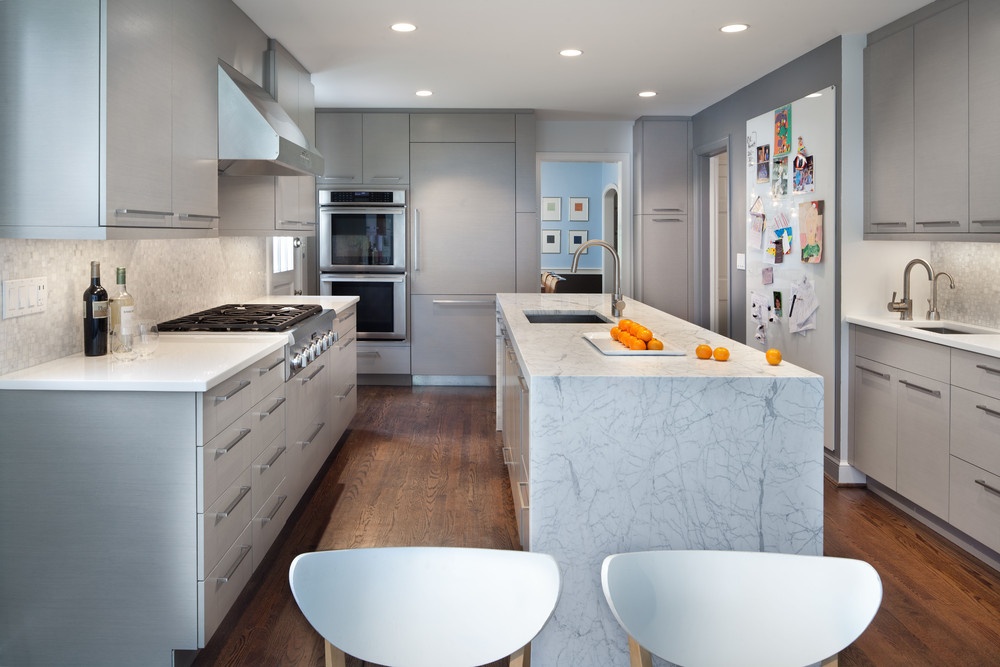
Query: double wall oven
[{"x": 362, "y": 252}]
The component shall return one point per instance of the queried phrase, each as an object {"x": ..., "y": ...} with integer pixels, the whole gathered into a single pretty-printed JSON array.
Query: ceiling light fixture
[
  {"x": 403, "y": 27},
  {"x": 571, "y": 53},
  {"x": 814, "y": 95},
  {"x": 734, "y": 27},
  {"x": 424, "y": 93},
  {"x": 648, "y": 93}
]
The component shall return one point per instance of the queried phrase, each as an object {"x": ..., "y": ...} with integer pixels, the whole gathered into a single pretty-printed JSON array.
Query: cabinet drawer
[
  {"x": 975, "y": 502},
  {"x": 267, "y": 375},
  {"x": 269, "y": 521},
  {"x": 975, "y": 429},
  {"x": 345, "y": 321},
  {"x": 267, "y": 472},
  {"x": 308, "y": 390},
  {"x": 223, "y": 522},
  {"x": 226, "y": 401},
  {"x": 375, "y": 358},
  {"x": 976, "y": 372},
  {"x": 224, "y": 457},
  {"x": 219, "y": 590},
  {"x": 916, "y": 356},
  {"x": 466, "y": 321},
  {"x": 267, "y": 419}
]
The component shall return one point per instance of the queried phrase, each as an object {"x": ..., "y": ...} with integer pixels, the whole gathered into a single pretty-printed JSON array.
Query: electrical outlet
[{"x": 23, "y": 297}]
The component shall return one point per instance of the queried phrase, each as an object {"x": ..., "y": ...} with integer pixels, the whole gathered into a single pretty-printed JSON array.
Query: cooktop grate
[{"x": 243, "y": 317}]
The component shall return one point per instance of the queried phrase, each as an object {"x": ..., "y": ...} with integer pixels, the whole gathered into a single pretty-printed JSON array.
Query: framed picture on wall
[
  {"x": 576, "y": 239},
  {"x": 551, "y": 241},
  {"x": 579, "y": 209},
  {"x": 551, "y": 208}
]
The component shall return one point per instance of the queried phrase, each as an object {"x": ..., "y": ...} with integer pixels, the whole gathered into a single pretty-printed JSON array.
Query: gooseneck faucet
[
  {"x": 617, "y": 299},
  {"x": 933, "y": 313},
  {"x": 905, "y": 307}
]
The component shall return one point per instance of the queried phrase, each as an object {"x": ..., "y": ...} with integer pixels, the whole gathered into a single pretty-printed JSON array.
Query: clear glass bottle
[
  {"x": 122, "y": 306},
  {"x": 95, "y": 315}
]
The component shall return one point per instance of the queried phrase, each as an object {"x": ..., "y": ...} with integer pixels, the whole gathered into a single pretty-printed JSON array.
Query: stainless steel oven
[
  {"x": 381, "y": 305},
  {"x": 362, "y": 231}
]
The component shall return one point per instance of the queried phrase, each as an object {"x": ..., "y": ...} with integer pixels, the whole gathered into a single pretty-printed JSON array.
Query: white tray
[{"x": 602, "y": 341}]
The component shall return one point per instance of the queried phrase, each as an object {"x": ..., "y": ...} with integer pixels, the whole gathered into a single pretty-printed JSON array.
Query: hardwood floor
[{"x": 422, "y": 466}]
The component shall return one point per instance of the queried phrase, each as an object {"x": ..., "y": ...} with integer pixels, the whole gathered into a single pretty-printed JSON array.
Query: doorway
[{"x": 713, "y": 199}]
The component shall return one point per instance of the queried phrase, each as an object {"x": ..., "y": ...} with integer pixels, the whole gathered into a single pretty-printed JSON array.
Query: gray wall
[{"x": 726, "y": 120}]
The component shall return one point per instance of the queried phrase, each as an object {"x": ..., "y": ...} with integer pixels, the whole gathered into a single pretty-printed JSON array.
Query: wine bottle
[
  {"x": 122, "y": 306},
  {"x": 95, "y": 315}
]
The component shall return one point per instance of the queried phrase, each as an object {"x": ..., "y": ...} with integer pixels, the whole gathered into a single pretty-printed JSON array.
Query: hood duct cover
[{"x": 257, "y": 137}]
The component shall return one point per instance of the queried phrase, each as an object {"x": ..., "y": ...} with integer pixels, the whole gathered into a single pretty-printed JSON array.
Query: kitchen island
[{"x": 628, "y": 453}]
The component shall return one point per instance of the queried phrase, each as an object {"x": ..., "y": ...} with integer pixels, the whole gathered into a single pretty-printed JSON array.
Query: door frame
[{"x": 703, "y": 226}]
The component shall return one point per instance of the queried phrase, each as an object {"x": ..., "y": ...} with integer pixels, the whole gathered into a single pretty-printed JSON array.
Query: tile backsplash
[
  {"x": 167, "y": 278},
  {"x": 976, "y": 270}
]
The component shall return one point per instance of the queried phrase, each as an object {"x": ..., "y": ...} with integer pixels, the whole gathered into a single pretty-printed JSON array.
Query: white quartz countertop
[
  {"x": 561, "y": 350},
  {"x": 181, "y": 362},
  {"x": 978, "y": 339}
]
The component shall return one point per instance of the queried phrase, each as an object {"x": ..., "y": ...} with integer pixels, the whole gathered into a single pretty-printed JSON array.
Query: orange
[
  {"x": 636, "y": 344},
  {"x": 703, "y": 351},
  {"x": 624, "y": 325},
  {"x": 654, "y": 345},
  {"x": 644, "y": 334},
  {"x": 773, "y": 356},
  {"x": 615, "y": 331},
  {"x": 721, "y": 354}
]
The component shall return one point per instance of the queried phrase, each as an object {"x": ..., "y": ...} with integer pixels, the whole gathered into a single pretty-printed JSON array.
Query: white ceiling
[{"x": 504, "y": 53}]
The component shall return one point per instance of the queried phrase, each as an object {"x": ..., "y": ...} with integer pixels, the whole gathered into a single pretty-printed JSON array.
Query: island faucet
[
  {"x": 617, "y": 299},
  {"x": 933, "y": 313},
  {"x": 905, "y": 307}
]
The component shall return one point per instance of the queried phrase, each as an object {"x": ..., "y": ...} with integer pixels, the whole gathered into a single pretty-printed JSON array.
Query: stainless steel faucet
[
  {"x": 933, "y": 313},
  {"x": 905, "y": 307},
  {"x": 617, "y": 299}
]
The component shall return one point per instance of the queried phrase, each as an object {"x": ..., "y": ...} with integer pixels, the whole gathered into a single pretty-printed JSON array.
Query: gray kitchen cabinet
[
  {"x": 452, "y": 336},
  {"x": 664, "y": 266},
  {"x": 141, "y": 114},
  {"x": 364, "y": 148},
  {"x": 922, "y": 455},
  {"x": 874, "y": 399},
  {"x": 514, "y": 421},
  {"x": 889, "y": 134},
  {"x": 941, "y": 121},
  {"x": 662, "y": 157},
  {"x": 500, "y": 127},
  {"x": 984, "y": 131}
]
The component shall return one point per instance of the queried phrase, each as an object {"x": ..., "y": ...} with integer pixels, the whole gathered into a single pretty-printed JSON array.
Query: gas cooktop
[{"x": 244, "y": 317}]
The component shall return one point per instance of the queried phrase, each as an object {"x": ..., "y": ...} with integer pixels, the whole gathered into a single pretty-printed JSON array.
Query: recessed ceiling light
[
  {"x": 812, "y": 95},
  {"x": 424, "y": 93},
  {"x": 571, "y": 53},
  {"x": 734, "y": 27},
  {"x": 403, "y": 27},
  {"x": 648, "y": 93}
]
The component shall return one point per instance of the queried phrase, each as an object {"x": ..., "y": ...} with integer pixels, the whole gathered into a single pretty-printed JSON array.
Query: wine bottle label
[
  {"x": 100, "y": 309},
  {"x": 127, "y": 318}
]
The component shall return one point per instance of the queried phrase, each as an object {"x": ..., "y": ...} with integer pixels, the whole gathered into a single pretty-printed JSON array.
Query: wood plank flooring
[{"x": 422, "y": 466}]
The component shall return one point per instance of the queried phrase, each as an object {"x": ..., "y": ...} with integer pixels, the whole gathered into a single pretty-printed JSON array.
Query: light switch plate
[
  {"x": 23, "y": 296},
  {"x": 741, "y": 261}
]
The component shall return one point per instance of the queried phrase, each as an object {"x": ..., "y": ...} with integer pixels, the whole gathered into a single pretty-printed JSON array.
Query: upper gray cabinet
[
  {"x": 114, "y": 132},
  {"x": 662, "y": 155},
  {"x": 364, "y": 148},
  {"x": 931, "y": 94}
]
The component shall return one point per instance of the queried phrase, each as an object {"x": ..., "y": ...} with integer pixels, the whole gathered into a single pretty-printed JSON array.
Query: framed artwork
[
  {"x": 551, "y": 241},
  {"x": 551, "y": 208},
  {"x": 579, "y": 209},
  {"x": 576, "y": 239}
]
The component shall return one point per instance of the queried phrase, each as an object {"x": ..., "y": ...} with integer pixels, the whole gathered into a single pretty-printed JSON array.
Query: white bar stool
[
  {"x": 426, "y": 606},
  {"x": 707, "y": 608}
]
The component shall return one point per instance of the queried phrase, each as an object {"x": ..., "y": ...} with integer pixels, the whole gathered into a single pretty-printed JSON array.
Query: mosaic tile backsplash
[
  {"x": 976, "y": 270},
  {"x": 167, "y": 278}
]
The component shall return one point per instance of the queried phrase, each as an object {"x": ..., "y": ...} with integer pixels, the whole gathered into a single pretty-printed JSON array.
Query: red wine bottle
[{"x": 95, "y": 315}]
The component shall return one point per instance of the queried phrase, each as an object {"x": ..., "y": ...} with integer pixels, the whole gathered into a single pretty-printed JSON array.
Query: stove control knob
[
  {"x": 299, "y": 360},
  {"x": 331, "y": 338}
]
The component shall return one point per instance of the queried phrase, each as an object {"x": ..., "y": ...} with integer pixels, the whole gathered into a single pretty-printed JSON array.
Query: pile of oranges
[{"x": 635, "y": 336}]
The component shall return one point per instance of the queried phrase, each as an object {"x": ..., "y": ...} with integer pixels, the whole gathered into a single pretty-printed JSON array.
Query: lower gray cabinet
[
  {"x": 453, "y": 335},
  {"x": 664, "y": 262}
]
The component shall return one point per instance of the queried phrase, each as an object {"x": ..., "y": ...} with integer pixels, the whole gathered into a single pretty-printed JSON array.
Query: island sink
[{"x": 565, "y": 317}]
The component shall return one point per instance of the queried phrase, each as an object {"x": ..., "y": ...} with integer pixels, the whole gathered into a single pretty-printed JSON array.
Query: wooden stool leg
[
  {"x": 334, "y": 656},
  {"x": 521, "y": 657},
  {"x": 832, "y": 661},
  {"x": 637, "y": 655}
]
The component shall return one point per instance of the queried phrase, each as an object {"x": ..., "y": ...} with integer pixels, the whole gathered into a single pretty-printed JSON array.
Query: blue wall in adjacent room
[{"x": 574, "y": 179}]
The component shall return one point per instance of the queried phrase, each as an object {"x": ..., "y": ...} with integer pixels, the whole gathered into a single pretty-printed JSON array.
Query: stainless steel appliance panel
[
  {"x": 381, "y": 305},
  {"x": 360, "y": 239}
]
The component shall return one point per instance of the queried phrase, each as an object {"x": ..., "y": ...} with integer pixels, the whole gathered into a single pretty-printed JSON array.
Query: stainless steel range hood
[{"x": 256, "y": 136}]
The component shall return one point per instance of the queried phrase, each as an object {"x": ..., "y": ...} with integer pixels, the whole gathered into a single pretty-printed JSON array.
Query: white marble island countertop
[{"x": 546, "y": 350}]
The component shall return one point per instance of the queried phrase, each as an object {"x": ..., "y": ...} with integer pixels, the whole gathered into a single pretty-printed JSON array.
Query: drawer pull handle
[
  {"x": 341, "y": 320},
  {"x": 884, "y": 376},
  {"x": 349, "y": 341},
  {"x": 277, "y": 455},
  {"x": 986, "y": 222},
  {"x": 347, "y": 392},
  {"x": 991, "y": 413},
  {"x": 277, "y": 404},
  {"x": 982, "y": 483},
  {"x": 374, "y": 354},
  {"x": 244, "y": 432},
  {"x": 243, "y": 385},
  {"x": 464, "y": 302},
  {"x": 244, "y": 551},
  {"x": 318, "y": 371},
  {"x": 668, "y": 210},
  {"x": 937, "y": 222},
  {"x": 136, "y": 211},
  {"x": 989, "y": 369},
  {"x": 524, "y": 385},
  {"x": 270, "y": 517},
  {"x": 265, "y": 371},
  {"x": 506, "y": 461},
  {"x": 524, "y": 505},
  {"x": 308, "y": 441},
  {"x": 888, "y": 224},
  {"x": 244, "y": 490},
  {"x": 931, "y": 392},
  {"x": 667, "y": 220}
]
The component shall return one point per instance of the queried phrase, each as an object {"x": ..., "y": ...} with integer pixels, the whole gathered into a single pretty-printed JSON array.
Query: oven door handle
[
  {"x": 377, "y": 210},
  {"x": 363, "y": 278}
]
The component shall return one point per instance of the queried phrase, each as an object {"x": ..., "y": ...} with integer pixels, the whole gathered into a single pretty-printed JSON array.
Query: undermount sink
[
  {"x": 565, "y": 317},
  {"x": 943, "y": 330}
]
